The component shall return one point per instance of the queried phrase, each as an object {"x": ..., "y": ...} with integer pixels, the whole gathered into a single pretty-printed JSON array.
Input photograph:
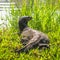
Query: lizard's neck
[{"x": 22, "y": 27}]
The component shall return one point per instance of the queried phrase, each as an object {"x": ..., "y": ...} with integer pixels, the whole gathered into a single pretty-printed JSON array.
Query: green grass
[{"x": 45, "y": 19}]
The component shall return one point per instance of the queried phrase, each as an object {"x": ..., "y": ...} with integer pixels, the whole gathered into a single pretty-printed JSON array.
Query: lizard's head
[{"x": 23, "y": 21}]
